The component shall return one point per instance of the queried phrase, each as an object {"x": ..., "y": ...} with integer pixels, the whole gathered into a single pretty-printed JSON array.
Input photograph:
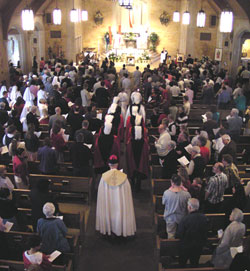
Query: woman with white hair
[
  {"x": 137, "y": 156},
  {"x": 52, "y": 231},
  {"x": 231, "y": 238},
  {"x": 105, "y": 144}
]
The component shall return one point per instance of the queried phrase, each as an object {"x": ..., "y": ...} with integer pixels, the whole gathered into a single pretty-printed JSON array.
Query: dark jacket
[
  {"x": 230, "y": 148},
  {"x": 80, "y": 154},
  {"x": 192, "y": 230},
  {"x": 32, "y": 144},
  {"x": 88, "y": 136},
  {"x": 31, "y": 118},
  {"x": 47, "y": 158},
  {"x": 170, "y": 165}
]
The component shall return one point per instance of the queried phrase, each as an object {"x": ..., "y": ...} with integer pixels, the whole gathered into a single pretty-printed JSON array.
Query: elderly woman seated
[
  {"x": 231, "y": 238},
  {"x": 52, "y": 231}
]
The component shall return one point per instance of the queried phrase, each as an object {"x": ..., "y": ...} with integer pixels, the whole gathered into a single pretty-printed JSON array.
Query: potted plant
[{"x": 154, "y": 39}]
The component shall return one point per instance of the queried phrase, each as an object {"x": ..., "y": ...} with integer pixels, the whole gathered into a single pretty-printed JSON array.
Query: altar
[{"x": 130, "y": 48}]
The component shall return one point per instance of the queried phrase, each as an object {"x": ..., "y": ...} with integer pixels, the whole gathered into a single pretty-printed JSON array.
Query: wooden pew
[
  {"x": 12, "y": 265},
  {"x": 66, "y": 186},
  {"x": 160, "y": 185},
  {"x": 215, "y": 223},
  {"x": 74, "y": 222},
  {"x": 169, "y": 250},
  {"x": 17, "y": 244}
]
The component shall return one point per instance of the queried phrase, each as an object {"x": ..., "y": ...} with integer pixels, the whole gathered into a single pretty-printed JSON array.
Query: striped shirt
[{"x": 216, "y": 187}]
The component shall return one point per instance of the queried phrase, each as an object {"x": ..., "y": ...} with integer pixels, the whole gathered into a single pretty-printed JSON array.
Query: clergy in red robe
[
  {"x": 117, "y": 121},
  {"x": 137, "y": 154},
  {"x": 105, "y": 144}
]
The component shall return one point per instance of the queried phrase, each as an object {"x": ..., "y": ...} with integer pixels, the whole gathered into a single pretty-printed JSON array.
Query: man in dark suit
[
  {"x": 102, "y": 96},
  {"x": 88, "y": 136},
  {"x": 229, "y": 148},
  {"x": 32, "y": 118},
  {"x": 4, "y": 100},
  {"x": 209, "y": 125},
  {"x": 170, "y": 162},
  {"x": 4, "y": 117},
  {"x": 192, "y": 232}
]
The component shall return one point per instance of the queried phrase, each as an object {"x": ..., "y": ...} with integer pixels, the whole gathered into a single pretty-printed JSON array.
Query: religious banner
[{"x": 218, "y": 54}]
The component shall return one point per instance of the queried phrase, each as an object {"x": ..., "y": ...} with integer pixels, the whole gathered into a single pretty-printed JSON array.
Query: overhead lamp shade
[
  {"x": 57, "y": 16},
  {"x": 74, "y": 15},
  {"x": 226, "y": 21},
  {"x": 186, "y": 18},
  {"x": 201, "y": 18},
  {"x": 121, "y": 3},
  {"x": 28, "y": 23},
  {"x": 176, "y": 16},
  {"x": 84, "y": 15},
  {"x": 128, "y": 4}
]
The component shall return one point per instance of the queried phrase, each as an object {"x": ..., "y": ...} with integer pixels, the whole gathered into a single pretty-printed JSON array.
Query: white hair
[{"x": 49, "y": 209}]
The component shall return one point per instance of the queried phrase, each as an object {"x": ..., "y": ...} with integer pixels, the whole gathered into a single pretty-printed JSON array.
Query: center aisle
[{"x": 112, "y": 254}]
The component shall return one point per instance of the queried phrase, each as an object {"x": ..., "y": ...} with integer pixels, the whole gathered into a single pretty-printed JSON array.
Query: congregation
[{"x": 96, "y": 120}]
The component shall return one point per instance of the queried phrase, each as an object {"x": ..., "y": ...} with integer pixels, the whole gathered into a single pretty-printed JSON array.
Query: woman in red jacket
[
  {"x": 34, "y": 257},
  {"x": 57, "y": 141},
  {"x": 20, "y": 169}
]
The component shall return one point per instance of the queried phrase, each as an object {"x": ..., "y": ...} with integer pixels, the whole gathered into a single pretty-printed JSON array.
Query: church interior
[{"x": 125, "y": 135}]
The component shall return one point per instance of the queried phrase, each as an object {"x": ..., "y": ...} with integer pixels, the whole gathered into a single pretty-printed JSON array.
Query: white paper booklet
[
  {"x": 188, "y": 148},
  {"x": 216, "y": 131},
  {"x": 66, "y": 137},
  {"x": 99, "y": 116},
  {"x": 54, "y": 255},
  {"x": 204, "y": 118},
  {"x": 65, "y": 116},
  {"x": 236, "y": 250},
  {"x": 93, "y": 133},
  {"x": 8, "y": 225},
  {"x": 183, "y": 161},
  {"x": 38, "y": 134},
  {"x": 70, "y": 104},
  {"x": 149, "y": 99},
  {"x": 88, "y": 145},
  {"x": 4, "y": 150},
  {"x": 60, "y": 217}
]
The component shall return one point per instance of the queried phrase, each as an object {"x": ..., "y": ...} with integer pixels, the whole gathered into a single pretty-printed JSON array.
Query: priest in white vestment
[{"x": 115, "y": 209}]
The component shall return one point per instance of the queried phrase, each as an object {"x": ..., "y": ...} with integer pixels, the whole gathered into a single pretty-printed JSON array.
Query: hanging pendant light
[
  {"x": 176, "y": 16},
  {"x": 28, "y": 23},
  {"x": 84, "y": 15},
  {"x": 201, "y": 18},
  {"x": 74, "y": 15},
  {"x": 128, "y": 4},
  {"x": 186, "y": 18},
  {"x": 226, "y": 21},
  {"x": 121, "y": 3},
  {"x": 57, "y": 15}
]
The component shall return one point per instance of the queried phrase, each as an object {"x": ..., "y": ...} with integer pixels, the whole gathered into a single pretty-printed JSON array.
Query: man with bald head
[
  {"x": 57, "y": 116},
  {"x": 192, "y": 232}
]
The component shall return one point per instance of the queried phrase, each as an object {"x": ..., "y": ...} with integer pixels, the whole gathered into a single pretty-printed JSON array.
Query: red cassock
[
  {"x": 143, "y": 161},
  {"x": 129, "y": 126},
  {"x": 120, "y": 133},
  {"x": 115, "y": 149}
]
